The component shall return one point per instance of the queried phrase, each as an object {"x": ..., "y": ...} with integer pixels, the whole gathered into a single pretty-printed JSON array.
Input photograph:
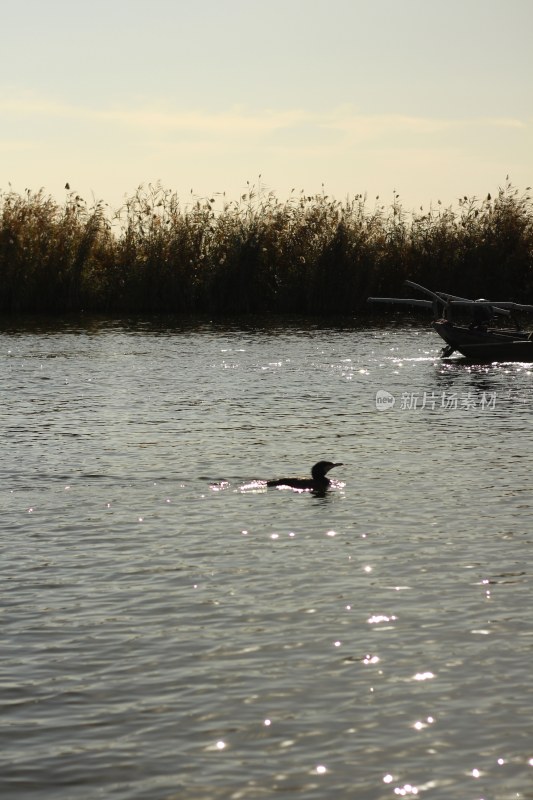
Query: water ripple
[{"x": 173, "y": 629}]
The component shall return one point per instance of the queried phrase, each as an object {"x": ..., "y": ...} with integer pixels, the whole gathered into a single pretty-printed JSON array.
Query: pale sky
[{"x": 432, "y": 98}]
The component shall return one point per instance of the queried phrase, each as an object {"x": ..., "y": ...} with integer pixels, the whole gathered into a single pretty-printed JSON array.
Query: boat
[{"x": 479, "y": 338}]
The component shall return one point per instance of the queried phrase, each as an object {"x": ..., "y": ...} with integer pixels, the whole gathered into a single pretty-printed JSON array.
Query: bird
[{"x": 317, "y": 481}]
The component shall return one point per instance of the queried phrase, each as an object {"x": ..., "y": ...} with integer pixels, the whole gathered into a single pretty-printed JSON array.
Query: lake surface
[{"x": 172, "y": 629}]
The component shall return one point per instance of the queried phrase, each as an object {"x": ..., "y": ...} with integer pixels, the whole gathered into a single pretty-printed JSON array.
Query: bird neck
[{"x": 320, "y": 477}]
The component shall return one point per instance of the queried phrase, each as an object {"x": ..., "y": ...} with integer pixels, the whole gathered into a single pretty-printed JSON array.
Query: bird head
[{"x": 319, "y": 470}]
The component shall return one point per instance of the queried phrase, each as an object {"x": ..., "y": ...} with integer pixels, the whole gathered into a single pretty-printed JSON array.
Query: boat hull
[{"x": 486, "y": 345}]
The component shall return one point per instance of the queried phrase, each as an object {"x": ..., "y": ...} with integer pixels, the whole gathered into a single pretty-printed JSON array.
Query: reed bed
[{"x": 306, "y": 255}]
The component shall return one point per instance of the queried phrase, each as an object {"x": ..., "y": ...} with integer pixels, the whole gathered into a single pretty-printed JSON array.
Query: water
[{"x": 173, "y": 629}]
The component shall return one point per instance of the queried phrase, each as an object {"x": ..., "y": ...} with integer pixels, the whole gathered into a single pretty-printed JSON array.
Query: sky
[{"x": 432, "y": 99}]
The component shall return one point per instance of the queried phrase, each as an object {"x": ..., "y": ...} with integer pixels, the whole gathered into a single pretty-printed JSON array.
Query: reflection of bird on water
[{"x": 318, "y": 480}]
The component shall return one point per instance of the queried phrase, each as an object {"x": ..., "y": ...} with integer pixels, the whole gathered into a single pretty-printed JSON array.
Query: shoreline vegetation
[{"x": 308, "y": 255}]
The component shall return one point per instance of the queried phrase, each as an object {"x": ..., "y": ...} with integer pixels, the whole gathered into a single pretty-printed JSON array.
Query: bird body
[{"x": 317, "y": 481}]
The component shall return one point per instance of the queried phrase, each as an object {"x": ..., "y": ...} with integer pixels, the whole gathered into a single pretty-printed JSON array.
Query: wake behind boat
[{"x": 479, "y": 338}]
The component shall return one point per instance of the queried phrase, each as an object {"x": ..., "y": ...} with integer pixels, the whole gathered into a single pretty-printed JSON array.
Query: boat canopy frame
[{"x": 443, "y": 304}]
